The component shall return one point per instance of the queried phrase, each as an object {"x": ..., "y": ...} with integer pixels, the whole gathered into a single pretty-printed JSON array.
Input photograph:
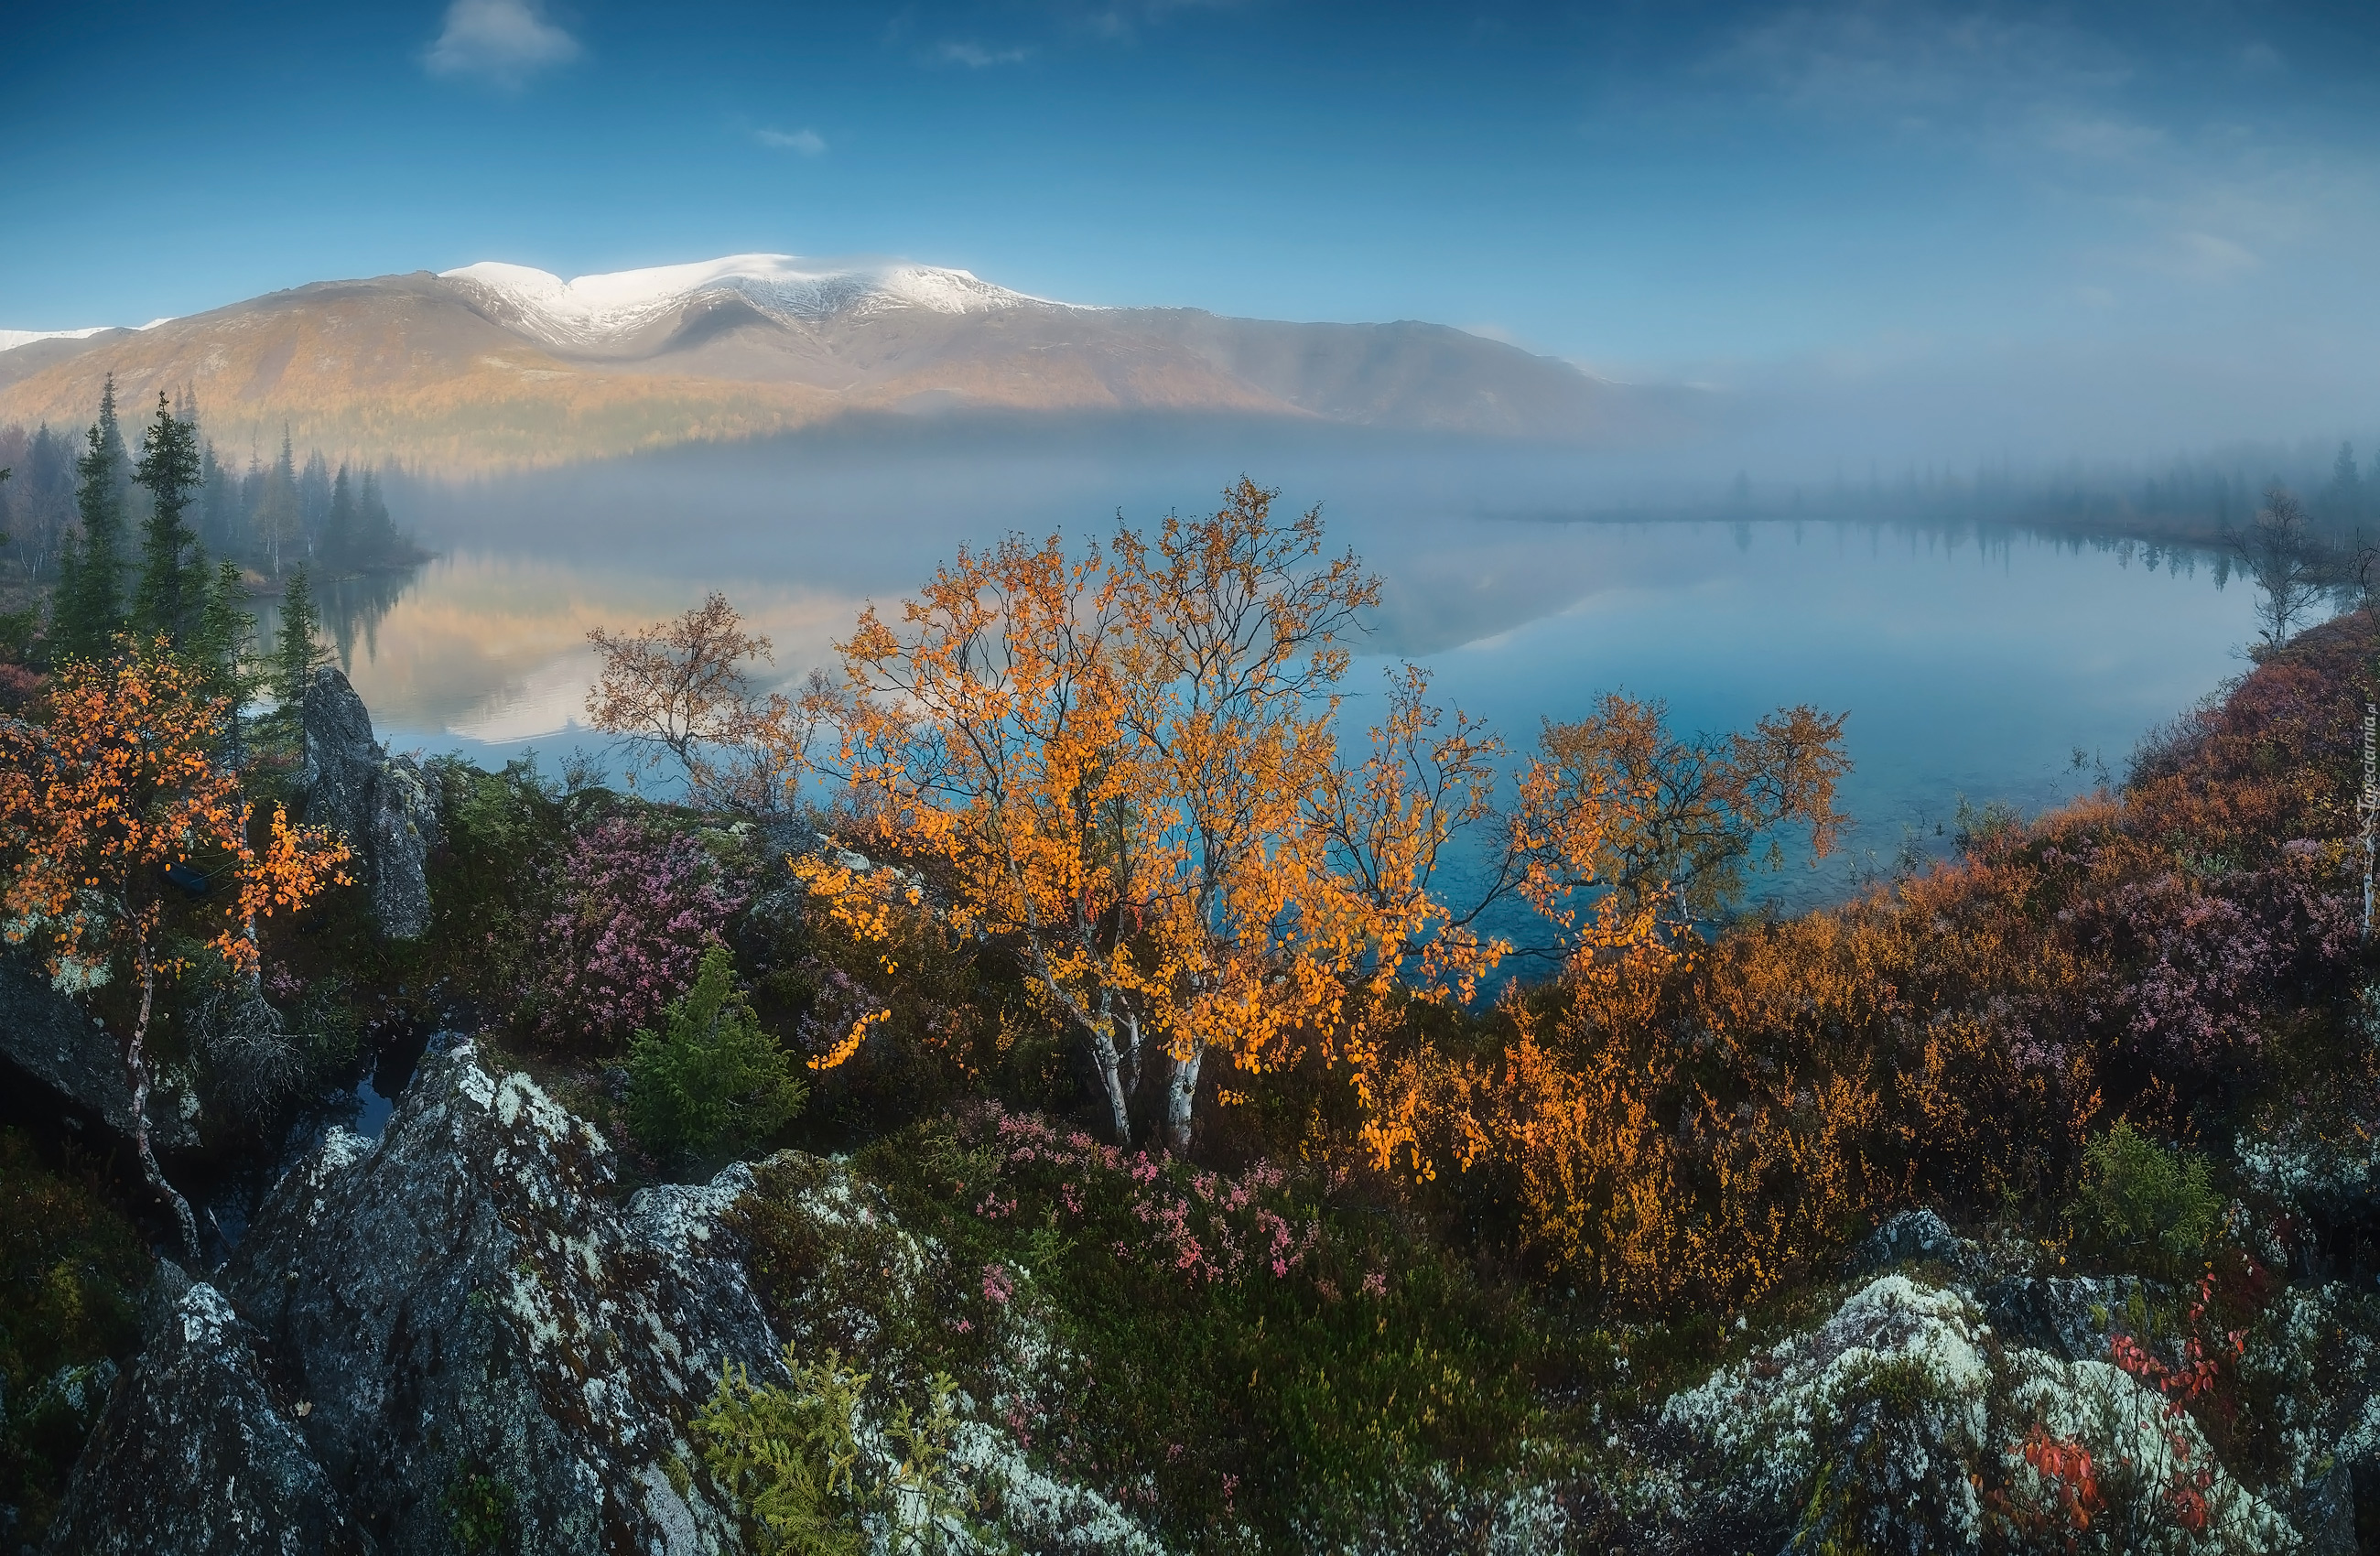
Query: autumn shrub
[
  {"x": 1274, "y": 1347},
  {"x": 638, "y": 908},
  {"x": 73, "y": 1269},
  {"x": 711, "y": 1084}
]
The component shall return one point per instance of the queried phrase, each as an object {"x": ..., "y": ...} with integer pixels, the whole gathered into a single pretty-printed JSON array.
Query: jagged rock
[
  {"x": 379, "y": 803},
  {"x": 195, "y": 1455},
  {"x": 464, "y": 1305},
  {"x": 1881, "y": 1427},
  {"x": 2073, "y": 1316},
  {"x": 1911, "y": 1234},
  {"x": 55, "y": 1043}
]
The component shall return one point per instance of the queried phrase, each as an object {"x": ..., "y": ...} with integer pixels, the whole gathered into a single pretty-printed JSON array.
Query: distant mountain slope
[{"x": 495, "y": 366}]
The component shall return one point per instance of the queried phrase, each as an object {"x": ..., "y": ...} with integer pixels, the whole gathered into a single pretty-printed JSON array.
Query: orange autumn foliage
[
  {"x": 1679, "y": 1117},
  {"x": 1126, "y": 763},
  {"x": 116, "y": 784}
]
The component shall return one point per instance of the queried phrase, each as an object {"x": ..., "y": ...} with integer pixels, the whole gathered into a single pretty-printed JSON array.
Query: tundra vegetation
[{"x": 1215, "y": 1160}]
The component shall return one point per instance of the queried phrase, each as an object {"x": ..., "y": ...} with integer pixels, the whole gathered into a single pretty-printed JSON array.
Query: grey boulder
[
  {"x": 380, "y": 804},
  {"x": 475, "y": 1321},
  {"x": 195, "y": 1456}
]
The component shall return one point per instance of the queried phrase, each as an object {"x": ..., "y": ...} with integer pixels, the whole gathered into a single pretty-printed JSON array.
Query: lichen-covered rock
[
  {"x": 1889, "y": 1393},
  {"x": 379, "y": 803},
  {"x": 476, "y": 1324},
  {"x": 195, "y": 1455},
  {"x": 2070, "y": 1316},
  {"x": 55, "y": 1044},
  {"x": 1903, "y": 1423}
]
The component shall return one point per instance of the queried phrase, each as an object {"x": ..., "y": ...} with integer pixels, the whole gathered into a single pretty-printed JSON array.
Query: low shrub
[
  {"x": 2144, "y": 1204},
  {"x": 789, "y": 1457},
  {"x": 1269, "y": 1359}
]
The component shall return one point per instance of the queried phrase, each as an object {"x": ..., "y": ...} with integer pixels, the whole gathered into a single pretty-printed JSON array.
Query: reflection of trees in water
[{"x": 353, "y": 607}]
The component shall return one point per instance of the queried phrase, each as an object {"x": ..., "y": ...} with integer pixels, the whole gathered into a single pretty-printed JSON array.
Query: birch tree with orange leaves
[
  {"x": 1126, "y": 762},
  {"x": 984, "y": 734},
  {"x": 1234, "y": 639},
  {"x": 113, "y": 788}
]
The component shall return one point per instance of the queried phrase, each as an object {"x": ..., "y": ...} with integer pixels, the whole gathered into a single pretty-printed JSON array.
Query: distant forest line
[
  {"x": 2203, "y": 499},
  {"x": 273, "y": 517}
]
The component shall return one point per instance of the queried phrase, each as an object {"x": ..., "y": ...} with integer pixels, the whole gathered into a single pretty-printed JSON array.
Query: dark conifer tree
[
  {"x": 223, "y": 643},
  {"x": 278, "y": 531},
  {"x": 340, "y": 530},
  {"x": 172, "y": 594},
  {"x": 296, "y": 650},
  {"x": 88, "y": 610},
  {"x": 314, "y": 501}
]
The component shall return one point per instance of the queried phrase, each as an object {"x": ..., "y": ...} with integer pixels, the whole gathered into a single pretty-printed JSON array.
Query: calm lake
[{"x": 1974, "y": 663}]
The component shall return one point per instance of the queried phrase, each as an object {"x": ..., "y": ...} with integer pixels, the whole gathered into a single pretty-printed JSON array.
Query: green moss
[
  {"x": 479, "y": 1512},
  {"x": 73, "y": 1269}
]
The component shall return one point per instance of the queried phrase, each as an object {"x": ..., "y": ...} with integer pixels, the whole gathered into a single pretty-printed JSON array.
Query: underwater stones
[
  {"x": 380, "y": 804},
  {"x": 195, "y": 1454}
]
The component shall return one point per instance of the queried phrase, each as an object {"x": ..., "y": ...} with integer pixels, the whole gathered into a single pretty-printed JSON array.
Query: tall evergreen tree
[
  {"x": 173, "y": 589},
  {"x": 88, "y": 609},
  {"x": 378, "y": 539},
  {"x": 278, "y": 529},
  {"x": 314, "y": 501},
  {"x": 340, "y": 530},
  {"x": 296, "y": 650},
  {"x": 223, "y": 645}
]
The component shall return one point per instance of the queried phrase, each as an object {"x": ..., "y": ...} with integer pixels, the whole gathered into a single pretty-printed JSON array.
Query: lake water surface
[{"x": 1973, "y": 664}]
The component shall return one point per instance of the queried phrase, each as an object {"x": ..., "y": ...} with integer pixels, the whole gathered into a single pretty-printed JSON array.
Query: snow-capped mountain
[
  {"x": 595, "y": 312},
  {"x": 499, "y": 365},
  {"x": 11, "y": 339}
]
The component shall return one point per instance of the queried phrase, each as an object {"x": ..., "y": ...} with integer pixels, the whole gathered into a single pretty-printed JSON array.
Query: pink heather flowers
[
  {"x": 640, "y": 908},
  {"x": 1208, "y": 1227},
  {"x": 998, "y": 1285}
]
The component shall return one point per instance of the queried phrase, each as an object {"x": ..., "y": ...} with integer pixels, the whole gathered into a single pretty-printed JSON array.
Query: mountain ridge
[{"x": 497, "y": 366}]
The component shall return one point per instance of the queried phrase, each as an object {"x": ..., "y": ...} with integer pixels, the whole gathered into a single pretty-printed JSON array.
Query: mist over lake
[{"x": 1974, "y": 661}]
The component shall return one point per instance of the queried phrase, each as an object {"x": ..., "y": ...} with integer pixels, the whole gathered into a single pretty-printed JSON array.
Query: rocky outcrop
[
  {"x": 453, "y": 1338},
  {"x": 196, "y": 1456},
  {"x": 53, "y": 1043},
  {"x": 378, "y": 802}
]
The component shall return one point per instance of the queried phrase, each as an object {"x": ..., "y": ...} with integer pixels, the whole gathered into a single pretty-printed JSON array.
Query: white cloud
[
  {"x": 809, "y": 142},
  {"x": 501, "y": 40},
  {"x": 974, "y": 56}
]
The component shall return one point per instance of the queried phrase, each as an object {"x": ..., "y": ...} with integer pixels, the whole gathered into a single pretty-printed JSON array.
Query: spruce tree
[
  {"x": 296, "y": 652},
  {"x": 339, "y": 531},
  {"x": 173, "y": 589},
  {"x": 276, "y": 508},
  {"x": 88, "y": 610},
  {"x": 222, "y": 645}
]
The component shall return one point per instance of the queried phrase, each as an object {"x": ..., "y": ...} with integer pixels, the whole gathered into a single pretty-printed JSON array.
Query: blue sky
[{"x": 1718, "y": 193}]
